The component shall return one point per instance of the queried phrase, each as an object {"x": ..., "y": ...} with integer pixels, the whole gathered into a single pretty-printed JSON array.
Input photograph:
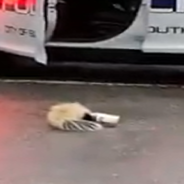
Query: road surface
[{"x": 147, "y": 147}]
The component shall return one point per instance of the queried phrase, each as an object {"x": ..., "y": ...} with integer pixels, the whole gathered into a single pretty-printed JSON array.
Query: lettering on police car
[
  {"x": 25, "y": 7},
  {"x": 166, "y": 30},
  {"x": 9, "y": 29}
]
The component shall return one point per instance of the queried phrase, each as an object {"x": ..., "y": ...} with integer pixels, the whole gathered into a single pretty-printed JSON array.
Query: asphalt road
[{"x": 147, "y": 147}]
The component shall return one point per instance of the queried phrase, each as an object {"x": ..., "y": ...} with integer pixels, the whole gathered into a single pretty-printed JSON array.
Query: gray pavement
[{"x": 146, "y": 148}]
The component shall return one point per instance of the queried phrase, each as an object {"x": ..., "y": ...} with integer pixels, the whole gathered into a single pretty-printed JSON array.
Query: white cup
[{"x": 108, "y": 119}]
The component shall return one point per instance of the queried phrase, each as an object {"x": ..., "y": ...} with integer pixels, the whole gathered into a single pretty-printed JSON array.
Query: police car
[{"x": 99, "y": 30}]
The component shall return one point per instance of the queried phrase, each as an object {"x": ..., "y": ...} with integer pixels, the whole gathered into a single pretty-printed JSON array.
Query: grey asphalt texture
[{"x": 147, "y": 146}]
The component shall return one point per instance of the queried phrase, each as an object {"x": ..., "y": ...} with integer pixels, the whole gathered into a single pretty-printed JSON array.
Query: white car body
[{"x": 28, "y": 29}]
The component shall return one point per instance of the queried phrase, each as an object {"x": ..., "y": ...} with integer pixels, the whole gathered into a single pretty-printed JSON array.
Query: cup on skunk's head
[{"x": 108, "y": 120}]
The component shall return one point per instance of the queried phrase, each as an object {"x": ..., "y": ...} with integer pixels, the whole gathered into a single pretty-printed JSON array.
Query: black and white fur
[{"x": 72, "y": 117}]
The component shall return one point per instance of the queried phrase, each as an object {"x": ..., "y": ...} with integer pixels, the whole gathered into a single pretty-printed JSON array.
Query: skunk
[{"x": 72, "y": 117}]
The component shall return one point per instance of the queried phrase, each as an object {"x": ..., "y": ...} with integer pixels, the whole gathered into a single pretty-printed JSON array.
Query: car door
[
  {"x": 22, "y": 28},
  {"x": 166, "y": 27}
]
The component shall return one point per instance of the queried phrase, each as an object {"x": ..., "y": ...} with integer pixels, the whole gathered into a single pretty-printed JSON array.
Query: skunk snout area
[{"x": 89, "y": 117}]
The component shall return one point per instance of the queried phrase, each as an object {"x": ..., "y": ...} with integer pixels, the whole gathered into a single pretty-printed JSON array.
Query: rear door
[
  {"x": 166, "y": 27},
  {"x": 22, "y": 28}
]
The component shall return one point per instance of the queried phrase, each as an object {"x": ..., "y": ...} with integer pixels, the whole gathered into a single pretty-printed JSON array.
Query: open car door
[{"x": 22, "y": 28}]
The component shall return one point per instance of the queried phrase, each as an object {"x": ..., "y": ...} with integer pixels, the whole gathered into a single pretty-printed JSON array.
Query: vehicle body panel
[
  {"x": 157, "y": 28},
  {"x": 22, "y": 30},
  {"x": 166, "y": 27}
]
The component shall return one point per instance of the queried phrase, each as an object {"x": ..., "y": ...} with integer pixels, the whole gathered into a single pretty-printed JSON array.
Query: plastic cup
[{"x": 106, "y": 119}]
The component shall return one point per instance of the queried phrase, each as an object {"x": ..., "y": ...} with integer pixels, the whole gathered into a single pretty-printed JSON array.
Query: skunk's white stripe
[{"x": 80, "y": 125}]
